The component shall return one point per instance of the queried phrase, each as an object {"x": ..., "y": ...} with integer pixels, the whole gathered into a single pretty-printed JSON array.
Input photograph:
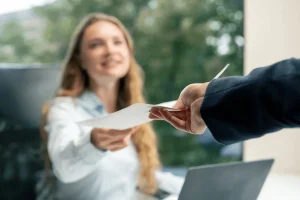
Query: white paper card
[{"x": 130, "y": 116}]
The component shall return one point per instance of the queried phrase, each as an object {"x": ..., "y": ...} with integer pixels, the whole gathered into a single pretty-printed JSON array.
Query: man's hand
[
  {"x": 188, "y": 117},
  {"x": 110, "y": 139}
]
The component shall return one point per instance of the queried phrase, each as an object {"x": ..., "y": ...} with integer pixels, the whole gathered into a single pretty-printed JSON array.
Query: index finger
[{"x": 124, "y": 131}]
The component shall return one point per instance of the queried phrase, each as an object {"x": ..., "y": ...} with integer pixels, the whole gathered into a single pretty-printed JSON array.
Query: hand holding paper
[
  {"x": 138, "y": 113},
  {"x": 131, "y": 116},
  {"x": 101, "y": 138},
  {"x": 186, "y": 114}
]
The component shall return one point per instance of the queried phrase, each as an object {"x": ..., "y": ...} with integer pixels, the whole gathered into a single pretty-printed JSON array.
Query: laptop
[{"x": 230, "y": 181}]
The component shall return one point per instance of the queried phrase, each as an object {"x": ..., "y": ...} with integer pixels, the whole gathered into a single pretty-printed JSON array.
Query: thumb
[{"x": 179, "y": 104}]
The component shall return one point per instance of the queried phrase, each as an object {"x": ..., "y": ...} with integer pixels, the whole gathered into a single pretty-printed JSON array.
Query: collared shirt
[{"x": 82, "y": 170}]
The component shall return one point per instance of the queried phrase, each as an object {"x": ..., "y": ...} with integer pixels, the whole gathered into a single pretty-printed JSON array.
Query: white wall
[{"x": 272, "y": 33}]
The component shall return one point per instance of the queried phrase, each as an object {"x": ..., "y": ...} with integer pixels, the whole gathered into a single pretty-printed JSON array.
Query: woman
[{"x": 101, "y": 76}]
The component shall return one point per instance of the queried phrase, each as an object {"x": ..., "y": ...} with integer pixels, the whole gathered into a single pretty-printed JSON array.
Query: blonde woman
[{"x": 101, "y": 76}]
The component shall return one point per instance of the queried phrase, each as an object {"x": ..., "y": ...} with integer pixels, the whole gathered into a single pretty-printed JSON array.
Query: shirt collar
[{"x": 91, "y": 102}]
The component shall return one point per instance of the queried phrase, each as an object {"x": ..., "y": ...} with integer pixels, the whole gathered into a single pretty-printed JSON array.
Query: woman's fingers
[
  {"x": 114, "y": 142},
  {"x": 113, "y": 139},
  {"x": 120, "y": 144}
]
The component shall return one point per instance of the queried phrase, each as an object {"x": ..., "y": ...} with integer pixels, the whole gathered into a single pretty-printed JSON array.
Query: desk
[{"x": 281, "y": 187}]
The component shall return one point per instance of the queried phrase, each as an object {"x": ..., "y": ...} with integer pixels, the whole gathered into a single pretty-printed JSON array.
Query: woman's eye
[
  {"x": 96, "y": 44},
  {"x": 118, "y": 42}
]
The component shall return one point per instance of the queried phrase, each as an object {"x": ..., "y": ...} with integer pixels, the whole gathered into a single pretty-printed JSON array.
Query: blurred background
[{"x": 177, "y": 42}]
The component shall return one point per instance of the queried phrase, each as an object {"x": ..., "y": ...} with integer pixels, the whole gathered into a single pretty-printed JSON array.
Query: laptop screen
[{"x": 230, "y": 181}]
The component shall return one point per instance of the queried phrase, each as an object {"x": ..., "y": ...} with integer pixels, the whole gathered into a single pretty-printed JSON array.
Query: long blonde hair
[{"x": 75, "y": 80}]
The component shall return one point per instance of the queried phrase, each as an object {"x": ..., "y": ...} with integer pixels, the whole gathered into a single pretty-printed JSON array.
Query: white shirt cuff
[{"x": 168, "y": 182}]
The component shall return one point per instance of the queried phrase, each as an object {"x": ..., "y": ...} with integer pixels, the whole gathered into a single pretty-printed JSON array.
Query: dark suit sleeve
[{"x": 240, "y": 108}]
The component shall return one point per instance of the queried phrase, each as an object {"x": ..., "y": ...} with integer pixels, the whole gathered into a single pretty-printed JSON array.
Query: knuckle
[
  {"x": 101, "y": 144},
  {"x": 125, "y": 142}
]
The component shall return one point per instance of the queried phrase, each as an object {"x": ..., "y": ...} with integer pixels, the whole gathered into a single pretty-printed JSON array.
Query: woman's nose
[{"x": 110, "y": 48}]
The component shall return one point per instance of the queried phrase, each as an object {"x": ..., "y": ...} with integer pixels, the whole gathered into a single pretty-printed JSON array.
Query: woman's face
[{"x": 104, "y": 53}]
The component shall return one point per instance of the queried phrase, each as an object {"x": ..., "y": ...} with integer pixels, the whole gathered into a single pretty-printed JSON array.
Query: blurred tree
[
  {"x": 63, "y": 16},
  {"x": 187, "y": 42},
  {"x": 13, "y": 45}
]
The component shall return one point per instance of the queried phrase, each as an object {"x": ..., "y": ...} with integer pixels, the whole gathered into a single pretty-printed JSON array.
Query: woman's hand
[{"x": 110, "y": 139}]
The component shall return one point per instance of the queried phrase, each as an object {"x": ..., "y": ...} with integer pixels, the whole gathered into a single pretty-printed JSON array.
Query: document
[{"x": 130, "y": 116}]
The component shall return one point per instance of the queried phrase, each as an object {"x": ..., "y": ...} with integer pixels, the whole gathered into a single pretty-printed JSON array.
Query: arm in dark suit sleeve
[{"x": 240, "y": 108}]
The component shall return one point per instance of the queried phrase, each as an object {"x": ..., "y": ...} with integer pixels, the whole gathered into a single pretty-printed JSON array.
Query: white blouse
[{"x": 82, "y": 170}]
